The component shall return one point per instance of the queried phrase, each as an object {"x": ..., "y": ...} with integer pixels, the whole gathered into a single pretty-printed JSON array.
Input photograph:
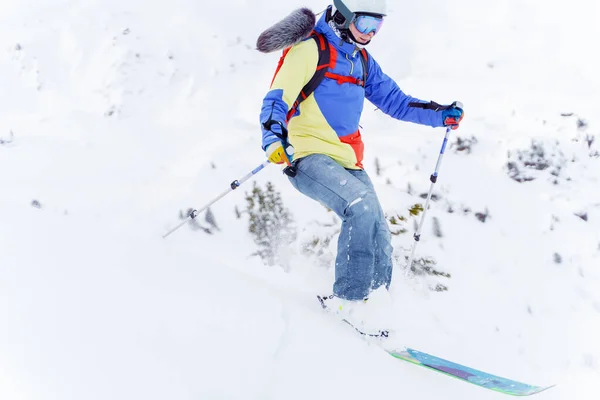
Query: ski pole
[
  {"x": 433, "y": 179},
  {"x": 232, "y": 186}
]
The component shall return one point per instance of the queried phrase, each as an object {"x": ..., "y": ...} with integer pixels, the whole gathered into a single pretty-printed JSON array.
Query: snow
[{"x": 115, "y": 116}]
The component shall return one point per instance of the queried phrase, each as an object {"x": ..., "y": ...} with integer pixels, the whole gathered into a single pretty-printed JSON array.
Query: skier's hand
[
  {"x": 453, "y": 115},
  {"x": 276, "y": 153}
]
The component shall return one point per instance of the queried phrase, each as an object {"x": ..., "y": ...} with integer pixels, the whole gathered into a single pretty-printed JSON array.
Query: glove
[
  {"x": 453, "y": 115},
  {"x": 276, "y": 153}
]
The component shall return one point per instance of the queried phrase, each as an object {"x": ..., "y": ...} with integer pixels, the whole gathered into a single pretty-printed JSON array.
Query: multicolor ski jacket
[{"x": 327, "y": 122}]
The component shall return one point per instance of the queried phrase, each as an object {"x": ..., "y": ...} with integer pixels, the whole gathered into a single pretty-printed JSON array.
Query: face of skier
[
  {"x": 364, "y": 27},
  {"x": 362, "y": 38}
]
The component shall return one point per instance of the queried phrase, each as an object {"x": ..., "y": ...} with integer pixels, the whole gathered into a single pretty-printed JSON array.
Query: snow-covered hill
[{"x": 116, "y": 116}]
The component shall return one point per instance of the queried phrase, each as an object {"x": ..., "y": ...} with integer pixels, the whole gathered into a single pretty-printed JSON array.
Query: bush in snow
[
  {"x": 7, "y": 141},
  {"x": 523, "y": 164},
  {"x": 423, "y": 266},
  {"x": 195, "y": 224},
  {"x": 482, "y": 216},
  {"x": 377, "y": 167},
  {"x": 426, "y": 267},
  {"x": 592, "y": 146},
  {"x": 557, "y": 258},
  {"x": 317, "y": 247},
  {"x": 318, "y": 242},
  {"x": 397, "y": 224},
  {"x": 416, "y": 209},
  {"x": 209, "y": 217},
  {"x": 589, "y": 139},
  {"x": 434, "y": 196},
  {"x": 465, "y": 144},
  {"x": 270, "y": 224},
  {"x": 437, "y": 229},
  {"x": 583, "y": 216}
]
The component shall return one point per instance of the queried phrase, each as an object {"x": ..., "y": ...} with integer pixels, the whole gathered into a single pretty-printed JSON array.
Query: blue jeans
[{"x": 364, "y": 252}]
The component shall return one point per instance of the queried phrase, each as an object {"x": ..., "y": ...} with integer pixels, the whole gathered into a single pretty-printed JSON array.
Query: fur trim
[{"x": 291, "y": 30}]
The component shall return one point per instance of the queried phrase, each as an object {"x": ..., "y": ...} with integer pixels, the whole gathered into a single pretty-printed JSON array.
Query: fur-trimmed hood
[{"x": 289, "y": 31}]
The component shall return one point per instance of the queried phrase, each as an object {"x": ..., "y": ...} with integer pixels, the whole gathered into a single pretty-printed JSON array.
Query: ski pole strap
[
  {"x": 284, "y": 132},
  {"x": 268, "y": 124},
  {"x": 432, "y": 105}
]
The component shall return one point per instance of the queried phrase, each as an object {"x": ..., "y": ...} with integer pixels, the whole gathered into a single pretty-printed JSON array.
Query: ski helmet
[{"x": 349, "y": 8}]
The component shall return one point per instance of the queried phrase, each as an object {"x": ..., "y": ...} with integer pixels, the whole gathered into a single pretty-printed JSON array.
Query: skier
[{"x": 323, "y": 129}]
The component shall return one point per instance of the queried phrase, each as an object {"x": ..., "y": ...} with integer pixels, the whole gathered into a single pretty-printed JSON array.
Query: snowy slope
[{"x": 117, "y": 115}]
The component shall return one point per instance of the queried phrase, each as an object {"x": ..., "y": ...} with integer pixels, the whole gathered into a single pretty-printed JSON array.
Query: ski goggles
[{"x": 367, "y": 23}]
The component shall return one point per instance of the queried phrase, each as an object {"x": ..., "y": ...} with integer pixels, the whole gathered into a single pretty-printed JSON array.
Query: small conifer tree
[{"x": 270, "y": 224}]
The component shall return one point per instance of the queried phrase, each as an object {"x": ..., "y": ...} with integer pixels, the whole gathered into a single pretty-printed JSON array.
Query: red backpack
[{"x": 327, "y": 60}]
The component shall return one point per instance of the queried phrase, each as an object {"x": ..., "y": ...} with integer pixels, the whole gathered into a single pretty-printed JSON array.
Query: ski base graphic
[{"x": 467, "y": 374}]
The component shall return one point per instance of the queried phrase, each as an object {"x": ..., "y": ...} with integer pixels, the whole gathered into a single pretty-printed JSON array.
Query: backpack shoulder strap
[
  {"x": 364, "y": 58},
  {"x": 280, "y": 64},
  {"x": 327, "y": 57}
]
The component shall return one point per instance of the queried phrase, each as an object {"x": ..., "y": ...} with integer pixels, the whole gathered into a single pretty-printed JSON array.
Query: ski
[
  {"x": 380, "y": 334},
  {"x": 450, "y": 368},
  {"x": 467, "y": 374}
]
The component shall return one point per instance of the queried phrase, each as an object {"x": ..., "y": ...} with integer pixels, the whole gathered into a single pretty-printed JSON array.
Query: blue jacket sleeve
[{"x": 383, "y": 92}]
